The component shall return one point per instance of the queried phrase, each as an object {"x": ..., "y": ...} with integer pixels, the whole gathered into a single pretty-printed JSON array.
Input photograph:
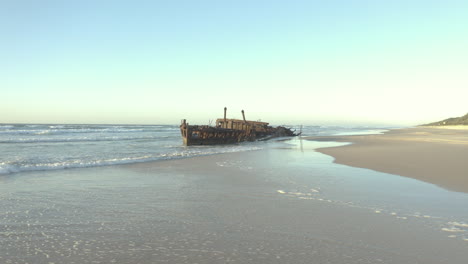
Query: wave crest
[{"x": 16, "y": 166}]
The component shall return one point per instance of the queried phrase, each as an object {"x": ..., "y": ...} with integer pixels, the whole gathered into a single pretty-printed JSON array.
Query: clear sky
[{"x": 398, "y": 62}]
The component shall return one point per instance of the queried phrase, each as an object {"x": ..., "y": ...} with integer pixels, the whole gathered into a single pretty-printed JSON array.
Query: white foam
[
  {"x": 458, "y": 224},
  {"x": 73, "y": 139},
  {"x": 281, "y": 191},
  {"x": 42, "y": 163},
  {"x": 453, "y": 230},
  {"x": 70, "y": 164},
  {"x": 297, "y": 193}
]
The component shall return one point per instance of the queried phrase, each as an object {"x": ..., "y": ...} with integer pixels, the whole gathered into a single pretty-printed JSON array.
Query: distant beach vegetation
[{"x": 453, "y": 121}]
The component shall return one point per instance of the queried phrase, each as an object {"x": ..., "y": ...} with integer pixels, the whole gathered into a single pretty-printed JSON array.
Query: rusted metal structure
[{"x": 228, "y": 131}]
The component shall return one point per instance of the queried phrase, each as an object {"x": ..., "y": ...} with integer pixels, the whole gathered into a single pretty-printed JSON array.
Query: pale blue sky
[{"x": 297, "y": 62}]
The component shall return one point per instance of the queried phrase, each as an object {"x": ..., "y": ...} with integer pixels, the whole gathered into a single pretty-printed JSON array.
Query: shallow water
[
  {"x": 284, "y": 203},
  {"x": 316, "y": 177}
]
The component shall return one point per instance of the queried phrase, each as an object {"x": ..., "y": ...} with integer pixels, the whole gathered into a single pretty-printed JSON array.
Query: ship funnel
[{"x": 225, "y": 110}]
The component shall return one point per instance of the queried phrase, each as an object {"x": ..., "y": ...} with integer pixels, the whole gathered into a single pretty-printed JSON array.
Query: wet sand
[
  {"x": 431, "y": 154},
  {"x": 275, "y": 205}
]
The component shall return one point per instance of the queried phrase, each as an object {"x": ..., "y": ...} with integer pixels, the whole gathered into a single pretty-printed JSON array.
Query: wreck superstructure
[{"x": 229, "y": 131}]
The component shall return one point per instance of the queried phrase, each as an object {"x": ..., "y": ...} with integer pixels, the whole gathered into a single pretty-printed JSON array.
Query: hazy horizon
[{"x": 297, "y": 62}]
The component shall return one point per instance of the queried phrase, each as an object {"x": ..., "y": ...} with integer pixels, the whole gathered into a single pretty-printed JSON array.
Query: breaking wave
[
  {"x": 22, "y": 165},
  {"x": 79, "y": 139}
]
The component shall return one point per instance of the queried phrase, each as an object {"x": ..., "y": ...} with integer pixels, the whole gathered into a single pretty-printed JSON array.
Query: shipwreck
[{"x": 230, "y": 131}]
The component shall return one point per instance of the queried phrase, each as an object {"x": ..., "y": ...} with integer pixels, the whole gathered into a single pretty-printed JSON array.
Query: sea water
[
  {"x": 33, "y": 147},
  {"x": 52, "y": 147}
]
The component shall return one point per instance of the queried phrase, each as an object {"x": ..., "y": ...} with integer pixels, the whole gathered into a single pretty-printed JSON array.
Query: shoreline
[
  {"x": 435, "y": 155},
  {"x": 461, "y": 127},
  {"x": 282, "y": 204}
]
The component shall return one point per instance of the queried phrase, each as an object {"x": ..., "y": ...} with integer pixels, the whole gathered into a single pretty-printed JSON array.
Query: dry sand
[{"x": 431, "y": 154}]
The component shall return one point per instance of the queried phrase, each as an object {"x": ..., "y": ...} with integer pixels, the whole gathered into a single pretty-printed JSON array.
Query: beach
[
  {"x": 433, "y": 154},
  {"x": 233, "y": 132},
  {"x": 285, "y": 203}
]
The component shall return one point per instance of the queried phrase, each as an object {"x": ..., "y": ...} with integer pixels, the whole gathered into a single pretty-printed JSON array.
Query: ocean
[{"x": 40, "y": 147}]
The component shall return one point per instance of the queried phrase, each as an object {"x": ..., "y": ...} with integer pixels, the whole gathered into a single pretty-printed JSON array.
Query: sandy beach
[
  {"x": 283, "y": 204},
  {"x": 433, "y": 154}
]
